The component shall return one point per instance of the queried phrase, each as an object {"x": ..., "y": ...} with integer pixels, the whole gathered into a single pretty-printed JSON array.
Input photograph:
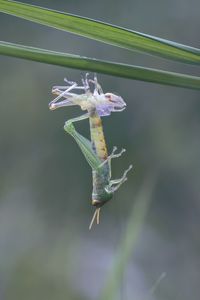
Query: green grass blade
[
  {"x": 128, "y": 242},
  {"x": 105, "y": 67},
  {"x": 103, "y": 32}
]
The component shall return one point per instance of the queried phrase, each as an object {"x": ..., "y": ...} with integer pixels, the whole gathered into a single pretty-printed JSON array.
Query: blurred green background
[{"x": 46, "y": 249}]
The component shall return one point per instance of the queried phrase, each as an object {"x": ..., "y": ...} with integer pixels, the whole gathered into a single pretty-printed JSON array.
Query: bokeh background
[{"x": 46, "y": 249}]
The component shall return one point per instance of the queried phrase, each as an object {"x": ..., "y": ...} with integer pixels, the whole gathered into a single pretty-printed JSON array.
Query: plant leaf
[
  {"x": 103, "y": 32},
  {"x": 106, "y": 67}
]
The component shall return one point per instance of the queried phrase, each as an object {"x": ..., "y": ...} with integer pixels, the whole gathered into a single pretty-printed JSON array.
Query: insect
[{"x": 97, "y": 104}]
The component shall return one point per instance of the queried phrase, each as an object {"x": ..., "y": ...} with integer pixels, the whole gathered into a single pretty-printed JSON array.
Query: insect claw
[
  {"x": 70, "y": 82},
  {"x": 52, "y": 106},
  {"x": 122, "y": 151},
  {"x": 129, "y": 168}
]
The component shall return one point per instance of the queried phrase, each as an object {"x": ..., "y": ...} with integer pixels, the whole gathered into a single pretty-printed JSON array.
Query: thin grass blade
[
  {"x": 103, "y": 32},
  {"x": 99, "y": 66}
]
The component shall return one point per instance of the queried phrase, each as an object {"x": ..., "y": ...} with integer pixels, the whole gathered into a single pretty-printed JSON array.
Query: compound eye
[{"x": 109, "y": 97}]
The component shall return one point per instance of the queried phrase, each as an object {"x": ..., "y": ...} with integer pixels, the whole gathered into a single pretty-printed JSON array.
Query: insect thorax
[{"x": 85, "y": 101}]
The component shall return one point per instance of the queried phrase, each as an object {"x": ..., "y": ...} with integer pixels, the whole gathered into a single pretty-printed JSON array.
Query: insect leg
[
  {"x": 98, "y": 88},
  {"x": 63, "y": 90},
  {"x": 115, "y": 184},
  {"x": 85, "y": 83},
  {"x": 84, "y": 144},
  {"x": 113, "y": 155},
  {"x": 70, "y": 82},
  {"x": 61, "y": 94},
  {"x": 73, "y": 82}
]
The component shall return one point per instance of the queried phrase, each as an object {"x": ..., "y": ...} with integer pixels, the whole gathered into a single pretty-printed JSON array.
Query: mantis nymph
[{"x": 97, "y": 104}]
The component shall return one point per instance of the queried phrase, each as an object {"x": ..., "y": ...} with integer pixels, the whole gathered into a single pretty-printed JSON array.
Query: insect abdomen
[
  {"x": 101, "y": 176},
  {"x": 97, "y": 137}
]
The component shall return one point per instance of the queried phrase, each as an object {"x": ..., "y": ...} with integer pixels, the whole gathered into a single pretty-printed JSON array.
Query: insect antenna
[{"x": 96, "y": 215}]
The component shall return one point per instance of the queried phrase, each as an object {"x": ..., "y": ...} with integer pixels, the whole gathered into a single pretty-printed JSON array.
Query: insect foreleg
[
  {"x": 111, "y": 156},
  {"x": 84, "y": 144},
  {"x": 98, "y": 88},
  {"x": 115, "y": 184},
  {"x": 86, "y": 83}
]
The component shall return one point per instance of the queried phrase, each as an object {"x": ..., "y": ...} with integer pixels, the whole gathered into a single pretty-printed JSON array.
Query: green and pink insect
[{"x": 97, "y": 104}]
